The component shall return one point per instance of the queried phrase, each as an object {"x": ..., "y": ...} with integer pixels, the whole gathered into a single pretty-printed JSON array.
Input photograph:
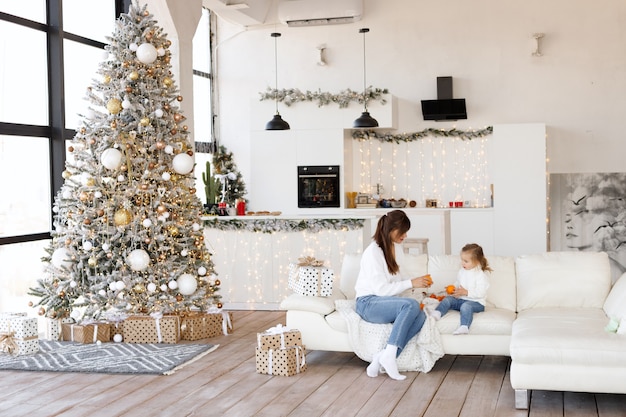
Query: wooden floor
[{"x": 224, "y": 383}]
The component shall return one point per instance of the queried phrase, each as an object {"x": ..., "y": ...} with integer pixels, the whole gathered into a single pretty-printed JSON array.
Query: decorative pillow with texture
[
  {"x": 319, "y": 305},
  {"x": 615, "y": 304},
  {"x": 350, "y": 267},
  {"x": 562, "y": 279},
  {"x": 443, "y": 269},
  {"x": 502, "y": 292}
]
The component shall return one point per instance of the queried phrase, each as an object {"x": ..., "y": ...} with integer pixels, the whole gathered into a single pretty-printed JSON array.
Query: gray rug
[{"x": 108, "y": 358}]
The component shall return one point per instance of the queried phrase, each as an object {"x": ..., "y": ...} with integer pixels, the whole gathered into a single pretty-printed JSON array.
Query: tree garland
[
  {"x": 284, "y": 225},
  {"x": 343, "y": 99},
  {"x": 410, "y": 137}
]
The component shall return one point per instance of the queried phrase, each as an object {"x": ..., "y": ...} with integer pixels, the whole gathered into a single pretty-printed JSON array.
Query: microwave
[{"x": 318, "y": 186}]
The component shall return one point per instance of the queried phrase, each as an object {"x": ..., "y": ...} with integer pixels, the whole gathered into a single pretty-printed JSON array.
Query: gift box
[
  {"x": 53, "y": 327},
  {"x": 20, "y": 337},
  {"x": 116, "y": 328},
  {"x": 286, "y": 362},
  {"x": 278, "y": 337},
  {"x": 197, "y": 325},
  {"x": 5, "y": 319},
  {"x": 152, "y": 329},
  {"x": 86, "y": 333},
  {"x": 310, "y": 277}
]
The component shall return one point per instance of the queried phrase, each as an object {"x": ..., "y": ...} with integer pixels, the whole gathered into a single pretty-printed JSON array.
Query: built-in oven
[{"x": 318, "y": 186}]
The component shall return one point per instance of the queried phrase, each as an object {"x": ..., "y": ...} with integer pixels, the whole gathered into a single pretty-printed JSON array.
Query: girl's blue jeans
[
  {"x": 404, "y": 313},
  {"x": 467, "y": 308}
]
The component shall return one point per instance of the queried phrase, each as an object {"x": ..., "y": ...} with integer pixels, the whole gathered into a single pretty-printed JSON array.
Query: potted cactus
[{"x": 211, "y": 188}]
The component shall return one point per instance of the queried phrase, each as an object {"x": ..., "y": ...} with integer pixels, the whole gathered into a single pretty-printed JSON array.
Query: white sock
[
  {"x": 388, "y": 361},
  {"x": 436, "y": 314},
  {"x": 374, "y": 367},
  {"x": 461, "y": 330}
]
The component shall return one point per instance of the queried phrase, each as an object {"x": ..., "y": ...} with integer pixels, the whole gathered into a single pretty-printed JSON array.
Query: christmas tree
[
  {"x": 127, "y": 232},
  {"x": 234, "y": 186}
]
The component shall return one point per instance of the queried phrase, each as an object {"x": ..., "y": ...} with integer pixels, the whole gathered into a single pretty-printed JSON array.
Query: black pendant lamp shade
[
  {"x": 277, "y": 122},
  {"x": 365, "y": 120}
]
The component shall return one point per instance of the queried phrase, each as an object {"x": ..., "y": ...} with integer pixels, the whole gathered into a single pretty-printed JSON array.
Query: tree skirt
[{"x": 108, "y": 358}]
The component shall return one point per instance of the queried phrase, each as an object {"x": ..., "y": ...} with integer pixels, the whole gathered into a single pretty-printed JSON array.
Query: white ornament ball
[
  {"x": 97, "y": 194},
  {"x": 158, "y": 113},
  {"x": 121, "y": 178},
  {"x": 102, "y": 293},
  {"x": 202, "y": 271},
  {"x": 113, "y": 286},
  {"x": 163, "y": 287},
  {"x": 67, "y": 194},
  {"x": 187, "y": 284},
  {"x": 119, "y": 285},
  {"x": 152, "y": 287},
  {"x": 105, "y": 246},
  {"x": 61, "y": 258},
  {"x": 138, "y": 260},
  {"x": 126, "y": 104},
  {"x": 160, "y": 51},
  {"x": 195, "y": 227},
  {"x": 169, "y": 149},
  {"x": 172, "y": 284},
  {"x": 166, "y": 176},
  {"x": 183, "y": 252},
  {"x": 182, "y": 163},
  {"x": 146, "y": 53},
  {"x": 87, "y": 245},
  {"x": 98, "y": 342},
  {"x": 117, "y": 338},
  {"x": 73, "y": 284},
  {"x": 147, "y": 223},
  {"x": 111, "y": 158},
  {"x": 133, "y": 46}
]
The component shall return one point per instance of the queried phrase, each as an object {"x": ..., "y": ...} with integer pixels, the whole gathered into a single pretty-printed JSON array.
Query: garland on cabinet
[
  {"x": 285, "y": 225},
  {"x": 410, "y": 137}
]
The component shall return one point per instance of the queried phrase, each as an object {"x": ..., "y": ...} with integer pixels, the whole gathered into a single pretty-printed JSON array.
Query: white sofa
[{"x": 547, "y": 312}]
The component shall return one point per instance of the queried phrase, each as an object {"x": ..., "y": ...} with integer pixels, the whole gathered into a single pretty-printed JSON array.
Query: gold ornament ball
[
  {"x": 83, "y": 196},
  {"x": 161, "y": 209},
  {"x": 30, "y": 303},
  {"x": 87, "y": 222},
  {"x": 179, "y": 98},
  {"x": 114, "y": 106},
  {"x": 114, "y": 124},
  {"x": 109, "y": 255},
  {"x": 92, "y": 262},
  {"x": 122, "y": 217},
  {"x": 106, "y": 79},
  {"x": 91, "y": 182},
  {"x": 61, "y": 294},
  {"x": 219, "y": 305},
  {"x": 70, "y": 149},
  {"x": 139, "y": 288},
  {"x": 66, "y": 174},
  {"x": 218, "y": 282},
  {"x": 42, "y": 311},
  {"x": 145, "y": 121},
  {"x": 179, "y": 297},
  {"x": 167, "y": 82},
  {"x": 100, "y": 212},
  {"x": 134, "y": 75},
  {"x": 173, "y": 230},
  {"x": 129, "y": 89}
]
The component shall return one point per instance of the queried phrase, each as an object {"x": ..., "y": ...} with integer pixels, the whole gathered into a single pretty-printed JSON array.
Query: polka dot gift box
[{"x": 310, "y": 277}]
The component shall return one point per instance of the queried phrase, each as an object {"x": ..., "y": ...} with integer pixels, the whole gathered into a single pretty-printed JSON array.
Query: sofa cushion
[
  {"x": 565, "y": 336},
  {"x": 410, "y": 264},
  {"x": 615, "y": 303},
  {"x": 563, "y": 279},
  {"x": 501, "y": 294},
  {"x": 319, "y": 305},
  {"x": 492, "y": 321}
]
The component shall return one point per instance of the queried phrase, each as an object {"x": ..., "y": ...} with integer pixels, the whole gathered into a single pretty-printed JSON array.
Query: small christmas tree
[
  {"x": 224, "y": 164},
  {"x": 127, "y": 230}
]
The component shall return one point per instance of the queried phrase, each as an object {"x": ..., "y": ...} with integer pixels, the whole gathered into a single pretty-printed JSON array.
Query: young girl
[
  {"x": 470, "y": 294},
  {"x": 377, "y": 288}
]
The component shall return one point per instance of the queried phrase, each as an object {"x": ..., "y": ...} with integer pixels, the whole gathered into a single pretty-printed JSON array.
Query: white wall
[{"x": 576, "y": 88}]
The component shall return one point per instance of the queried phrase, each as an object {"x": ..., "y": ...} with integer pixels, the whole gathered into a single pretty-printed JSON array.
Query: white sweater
[
  {"x": 374, "y": 277},
  {"x": 476, "y": 282}
]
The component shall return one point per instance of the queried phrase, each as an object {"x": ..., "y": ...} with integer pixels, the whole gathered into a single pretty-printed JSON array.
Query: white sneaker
[{"x": 461, "y": 330}]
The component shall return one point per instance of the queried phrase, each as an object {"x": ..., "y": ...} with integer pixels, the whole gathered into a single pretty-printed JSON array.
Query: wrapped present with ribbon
[
  {"x": 20, "y": 337},
  {"x": 196, "y": 325},
  {"x": 86, "y": 332},
  {"x": 278, "y": 337},
  {"x": 153, "y": 328},
  {"x": 54, "y": 329},
  {"x": 285, "y": 362},
  {"x": 309, "y": 276},
  {"x": 5, "y": 318}
]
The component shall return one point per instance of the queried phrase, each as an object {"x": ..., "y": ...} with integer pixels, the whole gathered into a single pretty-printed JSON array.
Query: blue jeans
[
  {"x": 467, "y": 308},
  {"x": 404, "y": 313}
]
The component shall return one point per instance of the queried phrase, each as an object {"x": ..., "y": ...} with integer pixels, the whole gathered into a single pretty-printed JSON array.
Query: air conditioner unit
[{"x": 319, "y": 12}]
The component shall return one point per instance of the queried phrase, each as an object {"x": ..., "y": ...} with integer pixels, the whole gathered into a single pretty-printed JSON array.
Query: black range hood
[{"x": 445, "y": 107}]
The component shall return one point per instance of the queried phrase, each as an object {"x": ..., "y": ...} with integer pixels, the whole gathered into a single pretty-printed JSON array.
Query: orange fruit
[
  {"x": 450, "y": 289},
  {"x": 421, "y": 306}
]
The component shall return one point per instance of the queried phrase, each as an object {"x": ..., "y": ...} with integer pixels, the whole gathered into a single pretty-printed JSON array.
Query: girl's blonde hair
[{"x": 476, "y": 252}]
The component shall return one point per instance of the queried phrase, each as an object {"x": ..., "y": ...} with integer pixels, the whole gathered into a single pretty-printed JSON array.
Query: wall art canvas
[{"x": 588, "y": 213}]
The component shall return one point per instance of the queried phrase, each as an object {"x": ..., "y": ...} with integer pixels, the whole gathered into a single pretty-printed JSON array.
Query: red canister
[{"x": 241, "y": 208}]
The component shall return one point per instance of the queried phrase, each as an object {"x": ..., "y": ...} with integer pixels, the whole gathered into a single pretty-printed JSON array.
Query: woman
[{"x": 378, "y": 284}]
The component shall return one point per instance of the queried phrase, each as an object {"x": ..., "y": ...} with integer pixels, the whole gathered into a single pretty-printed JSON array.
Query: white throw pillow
[{"x": 350, "y": 268}]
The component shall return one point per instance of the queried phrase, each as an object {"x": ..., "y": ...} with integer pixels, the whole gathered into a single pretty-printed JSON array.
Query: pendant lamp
[
  {"x": 365, "y": 120},
  {"x": 277, "y": 122}
]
